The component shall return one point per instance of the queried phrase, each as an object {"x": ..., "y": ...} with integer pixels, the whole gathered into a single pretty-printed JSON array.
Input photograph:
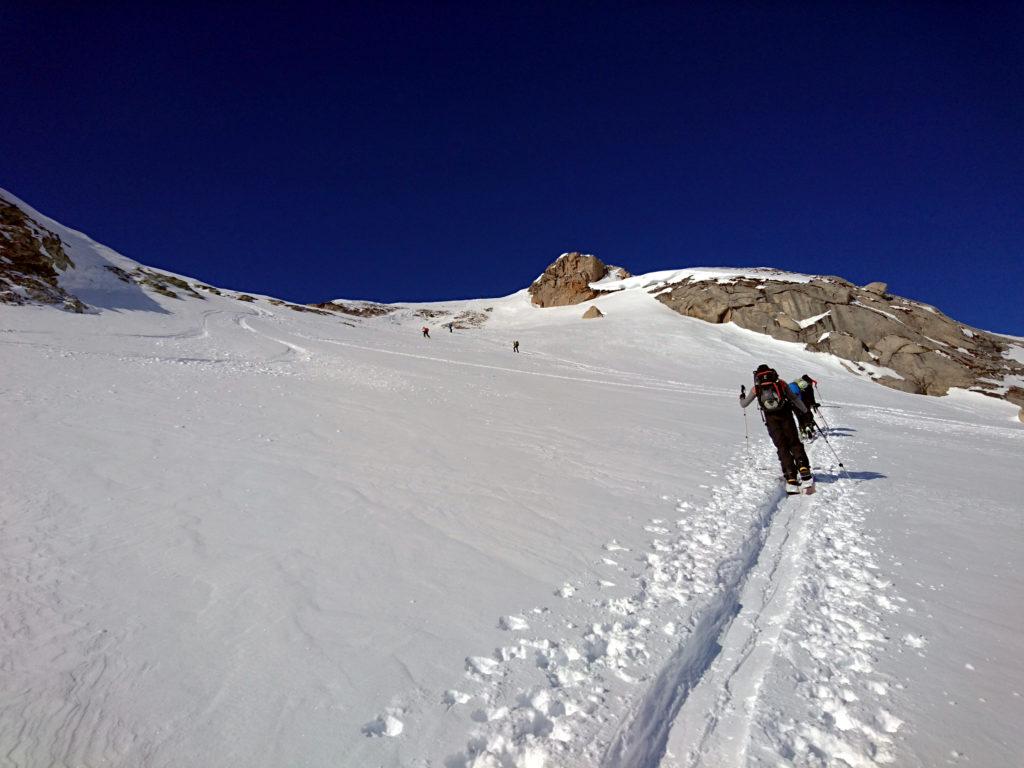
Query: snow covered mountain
[{"x": 238, "y": 531}]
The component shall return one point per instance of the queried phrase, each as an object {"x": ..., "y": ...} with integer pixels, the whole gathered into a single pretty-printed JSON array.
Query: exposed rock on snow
[
  {"x": 357, "y": 308},
  {"x": 31, "y": 258},
  {"x": 593, "y": 312},
  {"x": 567, "y": 280},
  {"x": 866, "y": 325},
  {"x": 43, "y": 262}
]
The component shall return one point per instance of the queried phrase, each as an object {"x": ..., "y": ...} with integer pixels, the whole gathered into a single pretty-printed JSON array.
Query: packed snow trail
[
  {"x": 684, "y": 597},
  {"x": 640, "y": 742},
  {"x": 814, "y": 575}
]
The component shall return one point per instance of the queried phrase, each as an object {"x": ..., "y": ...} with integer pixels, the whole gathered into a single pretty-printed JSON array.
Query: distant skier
[
  {"x": 426, "y": 332},
  {"x": 515, "y": 347},
  {"x": 804, "y": 389},
  {"x": 451, "y": 327},
  {"x": 777, "y": 403}
]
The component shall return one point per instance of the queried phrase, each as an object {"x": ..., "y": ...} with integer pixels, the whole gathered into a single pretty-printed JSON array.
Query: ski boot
[
  {"x": 792, "y": 486},
  {"x": 806, "y": 480}
]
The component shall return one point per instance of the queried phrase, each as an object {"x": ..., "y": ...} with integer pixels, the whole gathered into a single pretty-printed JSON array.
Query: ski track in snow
[
  {"x": 811, "y": 622},
  {"x": 684, "y": 592},
  {"x": 751, "y": 584}
]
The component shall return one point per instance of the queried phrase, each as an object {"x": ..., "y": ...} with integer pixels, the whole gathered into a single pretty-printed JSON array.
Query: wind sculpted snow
[{"x": 236, "y": 534}]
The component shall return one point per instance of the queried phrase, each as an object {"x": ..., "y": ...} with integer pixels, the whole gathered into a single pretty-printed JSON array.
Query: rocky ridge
[{"x": 872, "y": 329}]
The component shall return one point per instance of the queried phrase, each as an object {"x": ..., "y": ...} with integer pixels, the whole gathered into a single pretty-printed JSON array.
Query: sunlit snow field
[{"x": 233, "y": 534}]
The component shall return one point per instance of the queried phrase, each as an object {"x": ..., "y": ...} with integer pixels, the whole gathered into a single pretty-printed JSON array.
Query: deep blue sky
[{"x": 429, "y": 150}]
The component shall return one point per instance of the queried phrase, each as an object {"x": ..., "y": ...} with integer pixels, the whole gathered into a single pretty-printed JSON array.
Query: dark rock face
[
  {"x": 31, "y": 258},
  {"x": 567, "y": 280},
  {"x": 931, "y": 351}
]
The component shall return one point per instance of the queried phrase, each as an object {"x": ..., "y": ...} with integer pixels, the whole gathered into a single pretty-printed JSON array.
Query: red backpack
[{"x": 771, "y": 393}]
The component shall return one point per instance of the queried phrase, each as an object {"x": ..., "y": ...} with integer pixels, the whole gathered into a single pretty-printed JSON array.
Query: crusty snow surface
[{"x": 232, "y": 534}]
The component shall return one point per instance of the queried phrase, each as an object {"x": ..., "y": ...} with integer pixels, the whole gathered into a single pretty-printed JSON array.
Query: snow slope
[{"x": 234, "y": 534}]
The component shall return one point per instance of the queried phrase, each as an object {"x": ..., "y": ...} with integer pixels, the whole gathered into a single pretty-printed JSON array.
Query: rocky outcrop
[
  {"x": 357, "y": 309},
  {"x": 567, "y": 280},
  {"x": 31, "y": 259},
  {"x": 928, "y": 351},
  {"x": 593, "y": 312},
  {"x": 878, "y": 289}
]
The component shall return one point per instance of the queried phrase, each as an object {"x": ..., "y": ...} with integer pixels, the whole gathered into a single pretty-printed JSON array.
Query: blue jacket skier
[{"x": 804, "y": 389}]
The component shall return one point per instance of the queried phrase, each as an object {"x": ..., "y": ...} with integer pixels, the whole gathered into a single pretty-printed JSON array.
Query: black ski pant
[{"x": 782, "y": 431}]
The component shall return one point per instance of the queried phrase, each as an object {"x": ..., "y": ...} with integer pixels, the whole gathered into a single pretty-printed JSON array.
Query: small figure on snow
[
  {"x": 515, "y": 347},
  {"x": 451, "y": 327},
  {"x": 804, "y": 389},
  {"x": 777, "y": 403},
  {"x": 426, "y": 332}
]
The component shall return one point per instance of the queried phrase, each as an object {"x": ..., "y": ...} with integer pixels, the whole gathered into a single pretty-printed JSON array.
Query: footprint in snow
[
  {"x": 452, "y": 697},
  {"x": 479, "y": 667},
  {"x": 384, "y": 725},
  {"x": 513, "y": 623}
]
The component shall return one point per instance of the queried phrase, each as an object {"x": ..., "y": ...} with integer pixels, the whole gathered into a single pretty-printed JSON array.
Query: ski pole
[
  {"x": 827, "y": 425},
  {"x": 825, "y": 438},
  {"x": 746, "y": 429}
]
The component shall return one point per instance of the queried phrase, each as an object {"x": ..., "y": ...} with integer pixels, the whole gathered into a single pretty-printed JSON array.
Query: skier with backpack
[
  {"x": 804, "y": 389},
  {"x": 777, "y": 404}
]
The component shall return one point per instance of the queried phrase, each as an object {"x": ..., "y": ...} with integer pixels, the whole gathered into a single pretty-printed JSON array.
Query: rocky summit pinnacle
[{"x": 567, "y": 280}]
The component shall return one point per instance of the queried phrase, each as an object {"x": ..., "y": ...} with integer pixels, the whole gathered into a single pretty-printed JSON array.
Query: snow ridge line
[{"x": 642, "y": 739}]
